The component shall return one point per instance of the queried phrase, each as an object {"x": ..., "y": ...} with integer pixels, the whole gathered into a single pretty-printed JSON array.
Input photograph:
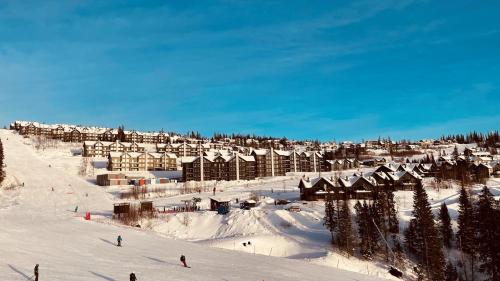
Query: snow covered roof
[
  {"x": 312, "y": 182},
  {"x": 399, "y": 174},
  {"x": 486, "y": 165},
  {"x": 134, "y": 154},
  {"x": 381, "y": 175},
  {"x": 260, "y": 151},
  {"x": 93, "y": 143},
  {"x": 115, "y": 154},
  {"x": 188, "y": 159},
  {"x": 221, "y": 198},
  {"x": 309, "y": 183},
  {"x": 224, "y": 157},
  {"x": 247, "y": 158},
  {"x": 350, "y": 181},
  {"x": 481, "y": 153},
  {"x": 171, "y": 155},
  {"x": 426, "y": 166},
  {"x": 283, "y": 152}
]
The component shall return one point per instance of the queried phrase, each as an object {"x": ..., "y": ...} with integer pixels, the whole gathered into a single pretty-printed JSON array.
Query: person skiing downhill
[
  {"x": 183, "y": 260},
  {"x": 35, "y": 271},
  {"x": 119, "y": 240},
  {"x": 132, "y": 277},
  {"x": 76, "y": 209}
]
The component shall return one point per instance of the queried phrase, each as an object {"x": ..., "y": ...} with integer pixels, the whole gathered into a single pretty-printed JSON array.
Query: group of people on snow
[{"x": 119, "y": 240}]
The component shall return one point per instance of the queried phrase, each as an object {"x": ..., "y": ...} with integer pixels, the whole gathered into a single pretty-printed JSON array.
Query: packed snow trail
[{"x": 42, "y": 228}]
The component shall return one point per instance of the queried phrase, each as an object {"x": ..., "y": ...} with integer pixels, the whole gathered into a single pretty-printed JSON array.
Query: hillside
[{"x": 39, "y": 226}]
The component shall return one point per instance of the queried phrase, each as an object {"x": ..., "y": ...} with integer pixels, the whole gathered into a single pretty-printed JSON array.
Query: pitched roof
[
  {"x": 260, "y": 151},
  {"x": 188, "y": 159}
]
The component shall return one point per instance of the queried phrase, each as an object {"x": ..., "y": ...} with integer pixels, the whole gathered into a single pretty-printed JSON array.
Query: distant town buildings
[
  {"x": 72, "y": 133},
  {"x": 243, "y": 158}
]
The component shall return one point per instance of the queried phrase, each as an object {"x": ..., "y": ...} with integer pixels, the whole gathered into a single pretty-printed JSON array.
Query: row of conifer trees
[{"x": 427, "y": 239}]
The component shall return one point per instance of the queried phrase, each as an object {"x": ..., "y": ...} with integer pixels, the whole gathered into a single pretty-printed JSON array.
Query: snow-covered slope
[{"x": 39, "y": 226}]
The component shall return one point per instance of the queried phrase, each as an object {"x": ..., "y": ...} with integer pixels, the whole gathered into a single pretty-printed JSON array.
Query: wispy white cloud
[{"x": 180, "y": 60}]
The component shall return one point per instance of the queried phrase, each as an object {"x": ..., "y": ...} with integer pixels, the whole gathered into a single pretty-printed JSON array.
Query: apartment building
[
  {"x": 141, "y": 161},
  {"x": 183, "y": 149},
  {"x": 219, "y": 167},
  {"x": 72, "y": 133},
  {"x": 103, "y": 148}
]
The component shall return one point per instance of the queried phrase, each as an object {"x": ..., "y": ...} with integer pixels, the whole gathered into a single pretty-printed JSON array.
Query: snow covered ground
[
  {"x": 39, "y": 226},
  {"x": 271, "y": 230},
  {"x": 213, "y": 241}
]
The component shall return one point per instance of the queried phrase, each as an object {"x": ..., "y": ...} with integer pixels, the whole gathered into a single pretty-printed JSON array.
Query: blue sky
[{"x": 302, "y": 69}]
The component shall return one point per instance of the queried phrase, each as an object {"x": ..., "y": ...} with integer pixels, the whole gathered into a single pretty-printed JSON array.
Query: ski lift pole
[
  {"x": 385, "y": 241},
  {"x": 393, "y": 269}
]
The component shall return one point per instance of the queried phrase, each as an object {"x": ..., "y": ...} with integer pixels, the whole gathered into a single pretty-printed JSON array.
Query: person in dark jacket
[
  {"x": 132, "y": 277},
  {"x": 183, "y": 260},
  {"x": 119, "y": 240},
  {"x": 35, "y": 271}
]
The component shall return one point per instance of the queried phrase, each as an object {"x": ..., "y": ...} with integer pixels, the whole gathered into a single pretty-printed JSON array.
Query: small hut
[
  {"x": 248, "y": 204},
  {"x": 146, "y": 206},
  {"x": 121, "y": 209},
  {"x": 220, "y": 205}
]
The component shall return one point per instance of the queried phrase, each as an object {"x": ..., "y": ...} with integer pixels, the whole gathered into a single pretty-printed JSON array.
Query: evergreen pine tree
[
  {"x": 427, "y": 245},
  {"x": 373, "y": 220},
  {"x": 363, "y": 229},
  {"x": 466, "y": 233},
  {"x": 451, "y": 272},
  {"x": 345, "y": 235},
  {"x": 410, "y": 237},
  {"x": 393, "y": 215},
  {"x": 121, "y": 133},
  {"x": 445, "y": 226},
  {"x": 488, "y": 231},
  {"x": 455, "y": 153},
  {"x": 381, "y": 207},
  {"x": 398, "y": 252},
  {"x": 330, "y": 220},
  {"x": 2, "y": 172}
]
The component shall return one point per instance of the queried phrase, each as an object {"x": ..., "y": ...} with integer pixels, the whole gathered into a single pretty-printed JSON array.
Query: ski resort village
[
  {"x": 91, "y": 203},
  {"x": 236, "y": 140}
]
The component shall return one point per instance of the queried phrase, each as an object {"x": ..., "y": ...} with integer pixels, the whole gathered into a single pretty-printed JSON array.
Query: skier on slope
[
  {"x": 132, "y": 277},
  {"x": 35, "y": 271},
  {"x": 183, "y": 260},
  {"x": 76, "y": 208},
  {"x": 119, "y": 240}
]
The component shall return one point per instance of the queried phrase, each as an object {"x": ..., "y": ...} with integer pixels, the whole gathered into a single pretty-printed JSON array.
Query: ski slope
[{"x": 39, "y": 226}]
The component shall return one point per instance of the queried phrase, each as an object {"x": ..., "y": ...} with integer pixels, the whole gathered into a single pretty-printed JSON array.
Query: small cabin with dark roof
[
  {"x": 318, "y": 189},
  {"x": 358, "y": 186},
  {"x": 404, "y": 180},
  {"x": 221, "y": 205}
]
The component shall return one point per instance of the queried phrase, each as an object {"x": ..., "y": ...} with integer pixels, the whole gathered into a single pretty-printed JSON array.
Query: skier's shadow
[
  {"x": 159, "y": 260},
  {"x": 107, "y": 241},
  {"x": 20, "y": 272},
  {"x": 103, "y": 276}
]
